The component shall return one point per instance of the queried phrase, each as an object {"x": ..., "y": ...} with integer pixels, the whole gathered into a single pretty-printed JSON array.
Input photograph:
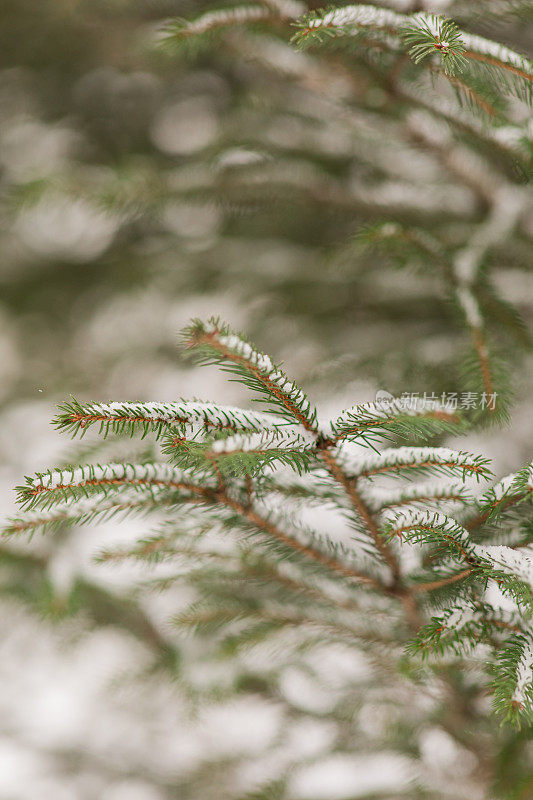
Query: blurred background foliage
[
  {"x": 134, "y": 177},
  {"x": 141, "y": 186}
]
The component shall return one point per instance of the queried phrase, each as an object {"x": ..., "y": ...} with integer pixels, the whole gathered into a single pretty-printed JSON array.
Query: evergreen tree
[{"x": 380, "y": 155}]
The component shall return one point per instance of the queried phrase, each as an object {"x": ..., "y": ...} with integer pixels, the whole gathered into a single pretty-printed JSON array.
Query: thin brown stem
[
  {"x": 480, "y": 347},
  {"x": 504, "y": 502},
  {"x": 497, "y": 63},
  {"x": 472, "y": 94},
  {"x": 428, "y": 587},
  {"x": 398, "y": 590},
  {"x": 364, "y": 512},
  {"x": 122, "y": 482}
]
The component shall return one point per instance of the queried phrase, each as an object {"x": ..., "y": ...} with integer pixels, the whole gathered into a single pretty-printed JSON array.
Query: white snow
[
  {"x": 206, "y": 414},
  {"x": 230, "y": 16},
  {"x": 514, "y": 562},
  {"x": 470, "y": 306},
  {"x": 128, "y": 472},
  {"x": 478, "y": 44},
  {"x": 365, "y": 16},
  {"x": 258, "y": 442},
  {"x": 265, "y": 366},
  {"x": 412, "y": 455}
]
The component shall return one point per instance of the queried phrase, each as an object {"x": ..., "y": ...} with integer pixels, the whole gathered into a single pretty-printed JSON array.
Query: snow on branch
[
  {"x": 190, "y": 416},
  {"x": 435, "y": 460},
  {"x": 462, "y": 625},
  {"x": 425, "y": 494},
  {"x": 362, "y": 16},
  {"x": 517, "y": 562},
  {"x": 424, "y": 33},
  {"x": 507, "y": 207},
  {"x": 46, "y": 489},
  {"x": 497, "y": 54},
  {"x": 217, "y": 344},
  {"x": 381, "y": 23},
  {"x": 507, "y": 491},
  {"x": 524, "y": 480},
  {"x": 461, "y": 615},
  {"x": 389, "y": 417},
  {"x": 259, "y": 443},
  {"x": 421, "y": 524},
  {"x": 249, "y": 453},
  {"x": 496, "y": 561},
  {"x": 267, "y": 11}
]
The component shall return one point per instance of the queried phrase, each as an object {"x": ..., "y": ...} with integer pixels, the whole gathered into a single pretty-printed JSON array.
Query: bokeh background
[{"x": 140, "y": 188}]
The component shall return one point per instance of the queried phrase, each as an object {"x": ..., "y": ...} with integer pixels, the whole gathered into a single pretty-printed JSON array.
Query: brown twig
[
  {"x": 364, "y": 512},
  {"x": 497, "y": 63},
  {"x": 480, "y": 347},
  {"x": 428, "y": 587}
]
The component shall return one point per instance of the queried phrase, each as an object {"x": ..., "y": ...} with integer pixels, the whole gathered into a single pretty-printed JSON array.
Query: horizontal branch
[
  {"x": 193, "y": 416},
  {"x": 44, "y": 489},
  {"x": 423, "y": 459}
]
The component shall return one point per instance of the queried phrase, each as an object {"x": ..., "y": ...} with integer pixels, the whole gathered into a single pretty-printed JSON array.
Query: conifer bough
[{"x": 229, "y": 468}]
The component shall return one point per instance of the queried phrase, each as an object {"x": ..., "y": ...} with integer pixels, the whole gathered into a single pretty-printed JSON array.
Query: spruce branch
[
  {"x": 230, "y": 481},
  {"x": 505, "y": 212},
  {"x": 512, "y": 682},
  {"x": 503, "y": 495},
  {"x": 494, "y": 54},
  {"x": 430, "y": 586},
  {"x": 425, "y": 494},
  {"x": 251, "y": 454},
  {"x": 419, "y": 461},
  {"x": 511, "y": 569},
  {"x": 394, "y": 418},
  {"x": 47, "y": 489},
  {"x": 176, "y": 32},
  {"x": 424, "y": 34},
  {"x": 191, "y": 417},
  {"x": 271, "y": 529},
  {"x": 88, "y": 510}
]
